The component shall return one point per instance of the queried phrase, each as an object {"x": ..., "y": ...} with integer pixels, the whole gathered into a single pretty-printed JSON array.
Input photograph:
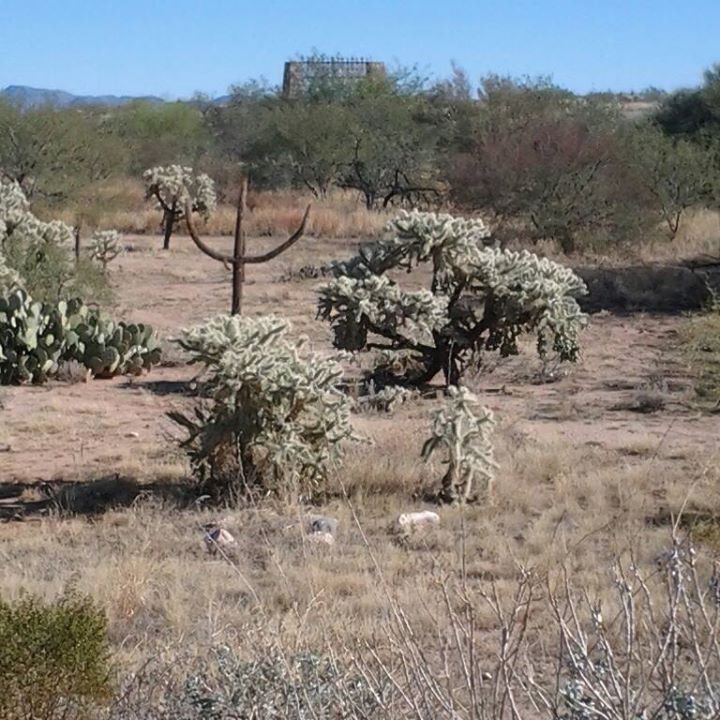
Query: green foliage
[
  {"x": 37, "y": 338},
  {"x": 56, "y": 155},
  {"x": 54, "y": 659},
  {"x": 677, "y": 173},
  {"x": 480, "y": 299},
  {"x": 272, "y": 685},
  {"x": 272, "y": 420},
  {"x": 551, "y": 164},
  {"x": 160, "y": 133},
  {"x": 41, "y": 252},
  {"x": 462, "y": 430}
]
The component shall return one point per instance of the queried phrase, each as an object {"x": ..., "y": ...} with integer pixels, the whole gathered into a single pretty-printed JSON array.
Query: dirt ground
[{"x": 629, "y": 393}]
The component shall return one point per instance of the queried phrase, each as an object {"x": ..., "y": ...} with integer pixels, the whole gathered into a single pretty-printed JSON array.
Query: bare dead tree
[{"x": 239, "y": 259}]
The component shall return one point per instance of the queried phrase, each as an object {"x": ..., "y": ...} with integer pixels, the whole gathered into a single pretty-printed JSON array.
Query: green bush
[{"x": 54, "y": 659}]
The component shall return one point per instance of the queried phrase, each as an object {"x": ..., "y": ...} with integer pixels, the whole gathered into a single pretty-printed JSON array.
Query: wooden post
[
  {"x": 238, "y": 267},
  {"x": 237, "y": 261}
]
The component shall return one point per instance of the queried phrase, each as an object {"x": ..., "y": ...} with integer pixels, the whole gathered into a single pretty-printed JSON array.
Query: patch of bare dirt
[{"x": 629, "y": 392}]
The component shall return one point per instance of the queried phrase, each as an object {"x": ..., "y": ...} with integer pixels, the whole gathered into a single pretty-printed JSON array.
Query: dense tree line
[{"x": 542, "y": 162}]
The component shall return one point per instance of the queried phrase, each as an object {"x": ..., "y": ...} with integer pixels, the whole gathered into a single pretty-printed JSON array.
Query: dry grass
[
  {"x": 121, "y": 206},
  {"x": 146, "y": 564}
]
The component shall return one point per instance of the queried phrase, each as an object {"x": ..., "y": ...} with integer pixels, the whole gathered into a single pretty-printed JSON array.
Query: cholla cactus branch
[
  {"x": 179, "y": 193},
  {"x": 463, "y": 430},
  {"x": 239, "y": 259},
  {"x": 480, "y": 298}
]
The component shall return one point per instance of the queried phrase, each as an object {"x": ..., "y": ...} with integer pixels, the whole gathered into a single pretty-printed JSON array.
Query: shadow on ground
[
  {"x": 651, "y": 288},
  {"x": 21, "y": 501}
]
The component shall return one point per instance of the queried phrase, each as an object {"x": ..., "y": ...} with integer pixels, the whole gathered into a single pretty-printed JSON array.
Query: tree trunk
[
  {"x": 238, "y": 267},
  {"x": 76, "y": 233},
  {"x": 168, "y": 222}
]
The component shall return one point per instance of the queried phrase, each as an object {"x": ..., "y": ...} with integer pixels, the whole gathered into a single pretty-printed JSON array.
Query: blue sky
[{"x": 175, "y": 48}]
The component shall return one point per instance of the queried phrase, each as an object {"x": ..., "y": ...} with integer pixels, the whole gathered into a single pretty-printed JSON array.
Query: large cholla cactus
[
  {"x": 480, "y": 298},
  {"x": 175, "y": 186},
  {"x": 463, "y": 430},
  {"x": 272, "y": 420}
]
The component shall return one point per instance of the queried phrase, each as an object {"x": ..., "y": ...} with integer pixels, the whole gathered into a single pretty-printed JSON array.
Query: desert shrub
[
  {"x": 678, "y": 174},
  {"x": 271, "y": 420},
  {"x": 479, "y": 299},
  {"x": 463, "y": 432},
  {"x": 644, "y": 644},
  {"x": 54, "y": 659},
  {"x": 221, "y": 685},
  {"x": 41, "y": 253},
  {"x": 550, "y": 164},
  {"x": 172, "y": 187},
  {"x": 37, "y": 338}
]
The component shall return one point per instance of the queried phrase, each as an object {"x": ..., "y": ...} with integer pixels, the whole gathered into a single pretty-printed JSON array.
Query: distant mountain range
[{"x": 28, "y": 97}]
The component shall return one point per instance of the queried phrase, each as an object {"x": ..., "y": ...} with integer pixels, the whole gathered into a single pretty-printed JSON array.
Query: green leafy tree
[
  {"x": 479, "y": 299},
  {"x": 272, "y": 420},
  {"x": 160, "y": 133},
  {"x": 312, "y": 140},
  {"x": 56, "y": 155},
  {"x": 678, "y": 174},
  {"x": 174, "y": 188}
]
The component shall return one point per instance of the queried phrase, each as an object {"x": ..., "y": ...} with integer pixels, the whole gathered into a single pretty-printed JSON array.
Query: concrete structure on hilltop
[{"x": 300, "y": 73}]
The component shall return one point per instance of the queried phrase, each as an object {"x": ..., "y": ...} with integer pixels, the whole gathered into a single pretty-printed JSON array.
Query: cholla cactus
[
  {"x": 34, "y": 252},
  {"x": 272, "y": 419},
  {"x": 463, "y": 430},
  {"x": 9, "y": 278},
  {"x": 105, "y": 246},
  {"x": 480, "y": 298},
  {"x": 174, "y": 186}
]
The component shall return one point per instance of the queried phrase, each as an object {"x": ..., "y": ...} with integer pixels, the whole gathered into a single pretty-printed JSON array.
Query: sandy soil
[{"x": 630, "y": 391}]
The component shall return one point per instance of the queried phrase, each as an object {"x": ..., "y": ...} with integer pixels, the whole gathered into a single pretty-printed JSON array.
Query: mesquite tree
[
  {"x": 462, "y": 430},
  {"x": 239, "y": 259},
  {"x": 179, "y": 192},
  {"x": 480, "y": 299}
]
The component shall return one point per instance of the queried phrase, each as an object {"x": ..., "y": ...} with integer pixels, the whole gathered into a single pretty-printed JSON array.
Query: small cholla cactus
[
  {"x": 464, "y": 431},
  {"x": 105, "y": 246},
  {"x": 480, "y": 299},
  {"x": 172, "y": 187}
]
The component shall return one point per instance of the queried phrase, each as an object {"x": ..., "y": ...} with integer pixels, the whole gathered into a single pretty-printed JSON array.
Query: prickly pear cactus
[
  {"x": 274, "y": 418},
  {"x": 480, "y": 299},
  {"x": 37, "y": 338},
  {"x": 32, "y": 339},
  {"x": 462, "y": 431}
]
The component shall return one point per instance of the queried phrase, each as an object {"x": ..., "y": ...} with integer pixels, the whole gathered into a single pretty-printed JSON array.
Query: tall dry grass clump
[{"x": 121, "y": 206}]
